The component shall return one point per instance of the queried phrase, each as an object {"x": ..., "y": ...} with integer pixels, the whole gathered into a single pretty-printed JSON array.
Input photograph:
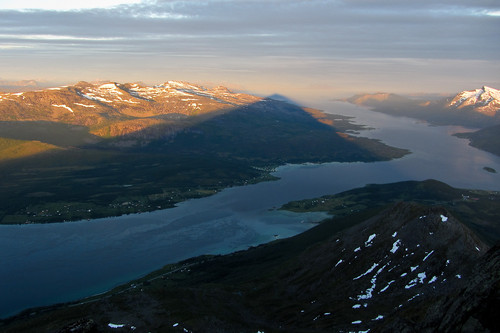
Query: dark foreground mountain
[
  {"x": 95, "y": 150},
  {"x": 471, "y": 108},
  {"x": 405, "y": 267}
]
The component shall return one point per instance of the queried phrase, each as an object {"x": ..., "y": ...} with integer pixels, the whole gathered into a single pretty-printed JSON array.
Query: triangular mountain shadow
[
  {"x": 265, "y": 132},
  {"x": 174, "y": 160},
  {"x": 282, "y": 98},
  {"x": 55, "y": 133}
]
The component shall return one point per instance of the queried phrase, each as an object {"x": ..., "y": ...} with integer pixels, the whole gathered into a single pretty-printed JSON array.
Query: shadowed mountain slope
[
  {"x": 479, "y": 210},
  {"x": 487, "y": 139},
  {"x": 405, "y": 267}
]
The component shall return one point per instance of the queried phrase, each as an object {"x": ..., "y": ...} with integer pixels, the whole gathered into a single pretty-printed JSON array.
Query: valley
[{"x": 133, "y": 149}]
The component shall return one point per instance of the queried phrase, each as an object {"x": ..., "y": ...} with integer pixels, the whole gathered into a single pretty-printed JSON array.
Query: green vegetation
[
  {"x": 12, "y": 149},
  {"x": 84, "y": 184},
  {"x": 479, "y": 209},
  {"x": 144, "y": 172}
]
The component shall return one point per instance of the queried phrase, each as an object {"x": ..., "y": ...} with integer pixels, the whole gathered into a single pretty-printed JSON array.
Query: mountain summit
[{"x": 485, "y": 100}]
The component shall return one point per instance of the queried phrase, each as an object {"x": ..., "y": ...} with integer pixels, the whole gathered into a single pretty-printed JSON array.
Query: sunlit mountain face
[{"x": 485, "y": 100}]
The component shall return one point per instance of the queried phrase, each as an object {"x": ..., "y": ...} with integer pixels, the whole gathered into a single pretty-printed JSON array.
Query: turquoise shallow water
[{"x": 45, "y": 264}]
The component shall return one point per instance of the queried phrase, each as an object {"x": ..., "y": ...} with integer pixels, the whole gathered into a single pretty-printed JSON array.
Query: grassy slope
[
  {"x": 479, "y": 208},
  {"x": 13, "y": 149}
]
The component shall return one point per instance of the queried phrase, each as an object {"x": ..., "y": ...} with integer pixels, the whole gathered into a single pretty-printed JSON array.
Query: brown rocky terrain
[{"x": 114, "y": 109}]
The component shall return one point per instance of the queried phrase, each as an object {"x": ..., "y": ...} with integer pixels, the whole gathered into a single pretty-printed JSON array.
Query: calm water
[{"x": 45, "y": 264}]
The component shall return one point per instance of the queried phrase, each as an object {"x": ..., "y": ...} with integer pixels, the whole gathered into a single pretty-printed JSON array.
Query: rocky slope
[
  {"x": 405, "y": 268},
  {"x": 113, "y": 109}
]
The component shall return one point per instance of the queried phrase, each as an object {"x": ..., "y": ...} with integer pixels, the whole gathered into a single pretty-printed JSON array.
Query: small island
[{"x": 490, "y": 169}]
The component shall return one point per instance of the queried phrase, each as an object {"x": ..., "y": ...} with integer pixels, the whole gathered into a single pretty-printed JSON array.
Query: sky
[{"x": 298, "y": 48}]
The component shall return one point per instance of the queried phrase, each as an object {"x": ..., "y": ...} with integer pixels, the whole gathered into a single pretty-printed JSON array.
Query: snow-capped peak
[
  {"x": 181, "y": 85},
  {"x": 485, "y": 100}
]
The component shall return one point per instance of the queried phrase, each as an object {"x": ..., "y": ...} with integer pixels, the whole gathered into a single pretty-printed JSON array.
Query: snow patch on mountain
[
  {"x": 485, "y": 100},
  {"x": 63, "y": 106}
]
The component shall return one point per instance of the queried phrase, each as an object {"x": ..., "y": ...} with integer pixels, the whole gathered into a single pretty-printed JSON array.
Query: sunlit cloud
[
  {"x": 493, "y": 13},
  {"x": 14, "y": 46},
  {"x": 57, "y": 37},
  {"x": 161, "y": 16},
  {"x": 62, "y": 5}
]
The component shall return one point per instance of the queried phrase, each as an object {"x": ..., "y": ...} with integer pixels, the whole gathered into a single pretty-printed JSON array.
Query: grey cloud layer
[
  {"x": 264, "y": 45},
  {"x": 361, "y": 28}
]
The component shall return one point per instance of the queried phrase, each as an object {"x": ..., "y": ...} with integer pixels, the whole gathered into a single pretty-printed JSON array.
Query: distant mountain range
[
  {"x": 23, "y": 85},
  {"x": 113, "y": 109},
  {"x": 478, "y": 108},
  {"x": 485, "y": 101}
]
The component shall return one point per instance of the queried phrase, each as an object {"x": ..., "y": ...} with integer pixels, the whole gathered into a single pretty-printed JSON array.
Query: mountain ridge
[
  {"x": 484, "y": 100},
  {"x": 89, "y": 104}
]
